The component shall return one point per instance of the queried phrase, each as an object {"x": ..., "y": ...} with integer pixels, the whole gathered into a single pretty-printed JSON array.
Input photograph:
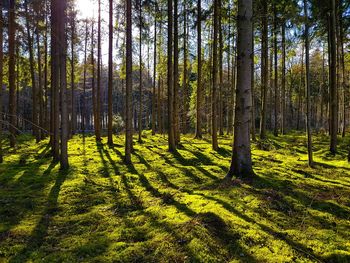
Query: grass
[{"x": 172, "y": 207}]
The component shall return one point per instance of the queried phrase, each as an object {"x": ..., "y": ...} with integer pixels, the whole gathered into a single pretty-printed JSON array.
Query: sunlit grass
[{"x": 172, "y": 207}]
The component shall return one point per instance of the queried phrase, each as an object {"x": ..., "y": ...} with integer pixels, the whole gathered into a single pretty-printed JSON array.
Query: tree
[
  {"x": 199, "y": 72},
  {"x": 241, "y": 163},
  {"x": 214, "y": 122},
  {"x": 128, "y": 84},
  {"x": 98, "y": 90},
  {"x": 171, "y": 128},
  {"x": 307, "y": 82},
  {"x": 11, "y": 72},
  {"x": 1, "y": 81},
  {"x": 333, "y": 80},
  {"x": 110, "y": 75},
  {"x": 264, "y": 70},
  {"x": 140, "y": 73},
  {"x": 62, "y": 41}
]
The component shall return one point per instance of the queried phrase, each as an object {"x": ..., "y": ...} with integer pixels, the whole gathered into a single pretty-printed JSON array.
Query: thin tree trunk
[
  {"x": 154, "y": 78},
  {"x": 140, "y": 74},
  {"x": 333, "y": 82},
  {"x": 32, "y": 74},
  {"x": 221, "y": 46},
  {"x": 171, "y": 135},
  {"x": 252, "y": 91},
  {"x": 98, "y": 90},
  {"x": 308, "y": 88},
  {"x": 283, "y": 95},
  {"x": 176, "y": 74},
  {"x": 1, "y": 79},
  {"x": 73, "y": 113},
  {"x": 199, "y": 72},
  {"x": 214, "y": 135},
  {"x": 110, "y": 76},
  {"x": 276, "y": 74},
  {"x": 84, "y": 109},
  {"x": 63, "y": 82},
  {"x": 264, "y": 71},
  {"x": 128, "y": 135}
]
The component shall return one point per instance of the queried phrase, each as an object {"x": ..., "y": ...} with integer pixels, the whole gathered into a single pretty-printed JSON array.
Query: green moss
[{"x": 171, "y": 207}]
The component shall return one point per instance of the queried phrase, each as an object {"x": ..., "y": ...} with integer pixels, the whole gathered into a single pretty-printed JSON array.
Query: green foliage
[{"x": 173, "y": 207}]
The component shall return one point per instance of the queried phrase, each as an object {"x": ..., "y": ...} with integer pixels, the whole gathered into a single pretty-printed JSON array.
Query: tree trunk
[
  {"x": 214, "y": 135},
  {"x": 241, "y": 163},
  {"x": 84, "y": 108},
  {"x": 171, "y": 135},
  {"x": 221, "y": 46},
  {"x": 264, "y": 71},
  {"x": 333, "y": 81},
  {"x": 176, "y": 73},
  {"x": 252, "y": 128},
  {"x": 62, "y": 5},
  {"x": 1, "y": 79},
  {"x": 308, "y": 88},
  {"x": 128, "y": 100},
  {"x": 140, "y": 74},
  {"x": 32, "y": 74},
  {"x": 73, "y": 113},
  {"x": 154, "y": 78},
  {"x": 110, "y": 76},
  {"x": 276, "y": 74},
  {"x": 283, "y": 95},
  {"x": 98, "y": 90},
  {"x": 199, "y": 72}
]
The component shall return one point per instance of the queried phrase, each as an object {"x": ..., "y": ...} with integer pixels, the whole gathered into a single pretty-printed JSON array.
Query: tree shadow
[{"x": 40, "y": 231}]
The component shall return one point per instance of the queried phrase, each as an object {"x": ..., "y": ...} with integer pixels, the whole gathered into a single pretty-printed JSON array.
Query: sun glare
[{"x": 86, "y": 8}]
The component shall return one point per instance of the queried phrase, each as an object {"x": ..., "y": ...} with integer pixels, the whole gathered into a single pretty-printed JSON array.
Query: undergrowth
[{"x": 171, "y": 207}]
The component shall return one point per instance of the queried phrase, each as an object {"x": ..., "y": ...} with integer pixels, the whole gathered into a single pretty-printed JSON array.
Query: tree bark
[
  {"x": 214, "y": 135},
  {"x": 140, "y": 74},
  {"x": 171, "y": 135},
  {"x": 176, "y": 73},
  {"x": 1, "y": 78},
  {"x": 199, "y": 72},
  {"x": 110, "y": 76},
  {"x": 241, "y": 163},
  {"x": 264, "y": 71},
  {"x": 128, "y": 99},
  {"x": 333, "y": 82},
  {"x": 308, "y": 88}
]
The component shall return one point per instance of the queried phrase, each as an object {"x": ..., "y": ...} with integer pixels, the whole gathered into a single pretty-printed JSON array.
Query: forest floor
[{"x": 173, "y": 207}]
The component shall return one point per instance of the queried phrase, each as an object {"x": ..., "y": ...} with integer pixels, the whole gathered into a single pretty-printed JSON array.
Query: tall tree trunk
[
  {"x": 171, "y": 135},
  {"x": 308, "y": 88},
  {"x": 252, "y": 91},
  {"x": 214, "y": 122},
  {"x": 283, "y": 95},
  {"x": 62, "y": 5},
  {"x": 176, "y": 74},
  {"x": 333, "y": 81},
  {"x": 128, "y": 100},
  {"x": 199, "y": 72},
  {"x": 110, "y": 75},
  {"x": 185, "y": 93},
  {"x": 1, "y": 78},
  {"x": 40, "y": 86},
  {"x": 221, "y": 46},
  {"x": 264, "y": 71},
  {"x": 154, "y": 78},
  {"x": 241, "y": 163},
  {"x": 73, "y": 113},
  {"x": 140, "y": 74},
  {"x": 276, "y": 74},
  {"x": 84, "y": 108},
  {"x": 98, "y": 90},
  {"x": 32, "y": 74},
  {"x": 94, "y": 92}
]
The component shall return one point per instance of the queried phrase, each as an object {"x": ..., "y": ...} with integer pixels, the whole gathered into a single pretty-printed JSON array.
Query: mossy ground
[{"x": 172, "y": 207}]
